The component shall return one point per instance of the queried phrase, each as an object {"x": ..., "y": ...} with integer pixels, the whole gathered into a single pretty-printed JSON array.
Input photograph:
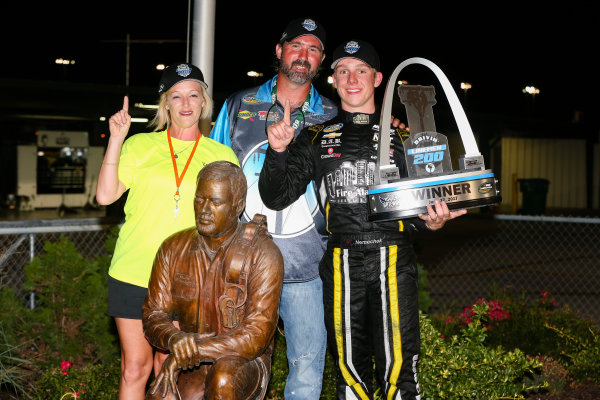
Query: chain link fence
[
  {"x": 477, "y": 256},
  {"x": 21, "y": 241},
  {"x": 468, "y": 259}
]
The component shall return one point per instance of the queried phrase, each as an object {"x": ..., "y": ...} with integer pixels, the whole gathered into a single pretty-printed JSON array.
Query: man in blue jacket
[{"x": 298, "y": 230}]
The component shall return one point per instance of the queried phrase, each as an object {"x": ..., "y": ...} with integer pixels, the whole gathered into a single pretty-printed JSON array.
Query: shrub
[
  {"x": 65, "y": 381},
  {"x": 463, "y": 368},
  {"x": 553, "y": 374},
  {"x": 525, "y": 329},
  {"x": 13, "y": 317},
  {"x": 14, "y": 371},
  {"x": 69, "y": 320},
  {"x": 558, "y": 337},
  {"x": 519, "y": 323},
  {"x": 581, "y": 353}
]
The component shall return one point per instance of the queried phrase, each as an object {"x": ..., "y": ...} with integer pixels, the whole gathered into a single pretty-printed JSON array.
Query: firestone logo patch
[{"x": 273, "y": 116}]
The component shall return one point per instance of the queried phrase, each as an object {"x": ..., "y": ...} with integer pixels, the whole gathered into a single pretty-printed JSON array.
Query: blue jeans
[{"x": 301, "y": 309}]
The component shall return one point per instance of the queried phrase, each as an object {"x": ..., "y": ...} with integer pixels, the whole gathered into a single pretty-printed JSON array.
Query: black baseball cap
[
  {"x": 303, "y": 26},
  {"x": 358, "y": 49},
  {"x": 179, "y": 72}
]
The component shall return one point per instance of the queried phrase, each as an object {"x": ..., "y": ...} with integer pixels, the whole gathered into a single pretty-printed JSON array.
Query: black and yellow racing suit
[{"x": 369, "y": 270}]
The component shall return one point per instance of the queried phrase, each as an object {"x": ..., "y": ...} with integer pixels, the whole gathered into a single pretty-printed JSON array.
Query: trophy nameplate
[{"x": 427, "y": 154}]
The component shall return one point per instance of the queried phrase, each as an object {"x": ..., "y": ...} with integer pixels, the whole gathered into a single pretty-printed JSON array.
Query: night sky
[{"x": 498, "y": 47}]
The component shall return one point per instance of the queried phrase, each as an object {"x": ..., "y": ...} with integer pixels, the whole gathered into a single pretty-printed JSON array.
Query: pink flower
[
  {"x": 466, "y": 315},
  {"x": 65, "y": 373},
  {"x": 65, "y": 365}
]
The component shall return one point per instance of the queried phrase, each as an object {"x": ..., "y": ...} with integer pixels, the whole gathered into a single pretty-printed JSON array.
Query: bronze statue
[{"x": 222, "y": 280}]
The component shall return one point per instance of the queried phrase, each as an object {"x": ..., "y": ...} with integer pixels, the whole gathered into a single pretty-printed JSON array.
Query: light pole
[
  {"x": 254, "y": 75},
  {"x": 532, "y": 90},
  {"x": 65, "y": 63},
  {"x": 465, "y": 86}
]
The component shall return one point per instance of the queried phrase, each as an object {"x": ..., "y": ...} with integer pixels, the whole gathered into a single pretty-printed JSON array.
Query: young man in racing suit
[{"x": 369, "y": 271}]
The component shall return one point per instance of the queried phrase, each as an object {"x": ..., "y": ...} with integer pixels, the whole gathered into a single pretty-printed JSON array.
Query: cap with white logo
[
  {"x": 358, "y": 49},
  {"x": 179, "y": 72}
]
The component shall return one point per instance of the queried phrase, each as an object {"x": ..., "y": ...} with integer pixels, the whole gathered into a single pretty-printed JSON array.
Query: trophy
[{"x": 427, "y": 154}]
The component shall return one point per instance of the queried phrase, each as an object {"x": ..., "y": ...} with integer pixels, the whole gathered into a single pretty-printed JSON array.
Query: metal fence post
[{"x": 31, "y": 255}]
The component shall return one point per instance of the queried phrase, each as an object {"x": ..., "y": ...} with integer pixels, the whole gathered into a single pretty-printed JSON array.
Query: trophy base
[{"x": 410, "y": 197}]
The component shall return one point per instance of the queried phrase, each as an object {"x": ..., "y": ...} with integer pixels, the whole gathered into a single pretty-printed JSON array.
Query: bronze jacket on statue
[{"x": 185, "y": 281}]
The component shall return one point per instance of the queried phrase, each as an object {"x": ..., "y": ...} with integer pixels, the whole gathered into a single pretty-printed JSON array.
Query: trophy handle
[{"x": 466, "y": 134}]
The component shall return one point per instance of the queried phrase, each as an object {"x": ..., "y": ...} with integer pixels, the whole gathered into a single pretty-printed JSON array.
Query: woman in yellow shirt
[{"x": 158, "y": 169}]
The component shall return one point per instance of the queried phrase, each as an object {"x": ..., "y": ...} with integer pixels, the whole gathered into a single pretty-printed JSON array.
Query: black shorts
[{"x": 125, "y": 300}]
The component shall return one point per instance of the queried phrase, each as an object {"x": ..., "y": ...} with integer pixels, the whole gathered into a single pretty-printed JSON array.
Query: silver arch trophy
[{"x": 427, "y": 154}]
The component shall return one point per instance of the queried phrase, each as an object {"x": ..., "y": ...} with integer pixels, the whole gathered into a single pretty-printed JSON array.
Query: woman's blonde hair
[{"x": 162, "y": 118}]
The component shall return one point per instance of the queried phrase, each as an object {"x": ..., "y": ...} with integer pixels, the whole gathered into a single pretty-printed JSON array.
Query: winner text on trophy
[{"x": 427, "y": 154}]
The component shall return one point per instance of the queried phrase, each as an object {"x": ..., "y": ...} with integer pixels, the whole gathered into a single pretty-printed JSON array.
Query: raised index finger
[
  {"x": 286, "y": 112},
  {"x": 126, "y": 103}
]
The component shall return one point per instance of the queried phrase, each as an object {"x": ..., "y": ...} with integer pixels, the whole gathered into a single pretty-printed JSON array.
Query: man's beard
[{"x": 298, "y": 77}]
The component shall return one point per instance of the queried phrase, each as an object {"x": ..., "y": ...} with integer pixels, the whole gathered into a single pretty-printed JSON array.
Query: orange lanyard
[{"x": 179, "y": 178}]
